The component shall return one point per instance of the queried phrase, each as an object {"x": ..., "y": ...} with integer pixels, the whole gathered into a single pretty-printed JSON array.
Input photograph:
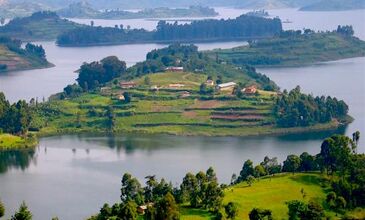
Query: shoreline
[
  {"x": 269, "y": 131},
  {"x": 49, "y": 65}
]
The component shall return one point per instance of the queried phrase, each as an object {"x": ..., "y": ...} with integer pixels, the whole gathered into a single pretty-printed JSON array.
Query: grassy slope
[
  {"x": 15, "y": 61},
  {"x": 303, "y": 50},
  {"x": 272, "y": 193},
  {"x": 165, "y": 112},
  {"x": 8, "y": 142}
]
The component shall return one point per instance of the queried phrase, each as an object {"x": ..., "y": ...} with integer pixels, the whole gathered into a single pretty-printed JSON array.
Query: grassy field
[
  {"x": 166, "y": 111},
  {"x": 293, "y": 51},
  {"x": 273, "y": 193},
  {"x": 8, "y": 142}
]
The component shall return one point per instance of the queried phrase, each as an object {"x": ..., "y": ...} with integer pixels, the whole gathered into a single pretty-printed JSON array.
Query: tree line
[
  {"x": 14, "y": 118},
  {"x": 31, "y": 51},
  {"x": 294, "y": 109},
  {"x": 242, "y": 27}
]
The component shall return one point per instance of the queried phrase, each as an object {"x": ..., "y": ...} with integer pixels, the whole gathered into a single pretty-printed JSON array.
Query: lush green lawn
[
  {"x": 8, "y": 142},
  {"x": 272, "y": 193}
]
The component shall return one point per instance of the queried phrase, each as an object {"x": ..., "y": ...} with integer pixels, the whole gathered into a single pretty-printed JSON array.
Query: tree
[
  {"x": 356, "y": 137},
  {"x": 259, "y": 171},
  {"x": 131, "y": 189},
  {"x": 23, "y": 213},
  {"x": 250, "y": 180},
  {"x": 147, "y": 81},
  {"x": 127, "y": 97},
  {"x": 128, "y": 211},
  {"x": 167, "y": 209},
  {"x": 2, "y": 209},
  {"x": 307, "y": 162},
  {"x": 189, "y": 186},
  {"x": 336, "y": 153},
  {"x": 296, "y": 208},
  {"x": 271, "y": 165},
  {"x": 247, "y": 170},
  {"x": 260, "y": 214},
  {"x": 231, "y": 210},
  {"x": 313, "y": 211},
  {"x": 110, "y": 118},
  {"x": 291, "y": 164}
]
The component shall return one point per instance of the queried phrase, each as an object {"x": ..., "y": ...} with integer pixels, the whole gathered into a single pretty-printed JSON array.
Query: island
[
  {"x": 241, "y": 28},
  {"x": 295, "y": 48},
  {"x": 13, "y": 57},
  {"x": 181, "y": 91},
  {"x": 334, "y": 5},
  {"x": 85, "y": 10},
  {"x": 43, "y": 25}
]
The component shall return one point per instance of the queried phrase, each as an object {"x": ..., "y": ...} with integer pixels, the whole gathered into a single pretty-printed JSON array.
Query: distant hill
[
  {"x": 241, "y": 28},
  {"x": 335, "y": 5},
  {"x": 85, "y": 10},
  {"x": 38, "y": 26},
  {"x": 14, "y": 57},
  {"x": 295, "y": 49}
]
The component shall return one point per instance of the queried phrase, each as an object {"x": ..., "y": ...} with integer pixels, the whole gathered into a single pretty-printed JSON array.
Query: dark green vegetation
[
  {"x": 39, "y": 26},
  {"x": 15, "y": 119},
  {"x": 329, "y": 185},
  {"x": 295, "y": 109},
  {"x": 85, "y": 10},
  {"x": 14, "y": 57},
  {"x": 335, "y": 5},
  {"x": 296, "y": 48},
  {"x": 243, "y": 27},
  {"x": 22, "y": 214}
]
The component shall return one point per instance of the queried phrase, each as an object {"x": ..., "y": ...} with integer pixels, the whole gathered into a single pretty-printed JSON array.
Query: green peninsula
[
  {"x": 13, "y": 57},
  {"x": 181, "y": 91},
  {"x": 294, "y": 48}
]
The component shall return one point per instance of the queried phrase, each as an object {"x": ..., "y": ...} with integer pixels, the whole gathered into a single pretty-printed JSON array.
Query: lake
[{"x": 56, "y": 180}]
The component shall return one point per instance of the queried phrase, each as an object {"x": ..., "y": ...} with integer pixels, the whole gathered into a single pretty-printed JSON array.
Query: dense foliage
[
  {"x": 92, "y": 75},
  {"x": 297, "y": 109},
  {"x": 243, "y": 27},
  {"x": 161, "y": 198},
  {"x": 14, "y": 118}
]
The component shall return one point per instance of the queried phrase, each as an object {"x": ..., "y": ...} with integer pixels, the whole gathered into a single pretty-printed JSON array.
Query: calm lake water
[{"x": 55, "y": 180}]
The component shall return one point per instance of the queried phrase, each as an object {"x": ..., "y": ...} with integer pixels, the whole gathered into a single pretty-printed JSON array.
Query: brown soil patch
[
  {"x": 207, "y": 104},
  {"x": 190, "y": 114},
  {"x": 233, "y": 117}
]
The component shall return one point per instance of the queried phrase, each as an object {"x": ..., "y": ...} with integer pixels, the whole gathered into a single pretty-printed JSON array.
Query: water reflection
[{"x": 18, "y": 159}]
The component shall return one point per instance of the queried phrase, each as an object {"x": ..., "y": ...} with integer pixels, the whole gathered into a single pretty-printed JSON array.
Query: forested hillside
[{"x": 243, "y": 27}]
